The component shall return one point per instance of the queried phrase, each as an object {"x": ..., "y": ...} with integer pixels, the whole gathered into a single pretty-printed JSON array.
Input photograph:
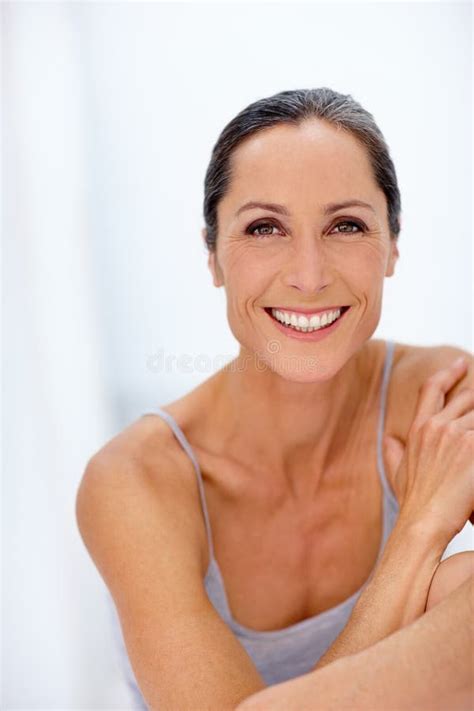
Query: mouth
[{"x": 307, "y": 325}]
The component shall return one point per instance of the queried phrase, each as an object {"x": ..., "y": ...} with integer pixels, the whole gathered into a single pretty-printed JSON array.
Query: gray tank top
[{"x": 289, "y": 652}]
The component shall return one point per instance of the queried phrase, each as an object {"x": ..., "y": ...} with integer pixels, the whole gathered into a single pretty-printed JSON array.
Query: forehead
[{"x": 314, "y": 161}]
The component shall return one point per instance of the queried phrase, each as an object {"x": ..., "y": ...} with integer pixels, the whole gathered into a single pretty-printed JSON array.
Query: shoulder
[
  {"x": 425, "y": 360},
  {"x": 140, "y": 474},
  {"x": 147, "y": 446},
  {"x": 412, "y": 366},
  {"x": 146, "y": 433}
]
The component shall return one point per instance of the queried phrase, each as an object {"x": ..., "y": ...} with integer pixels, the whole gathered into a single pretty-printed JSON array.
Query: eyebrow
[{"x": 282, "y": 210}]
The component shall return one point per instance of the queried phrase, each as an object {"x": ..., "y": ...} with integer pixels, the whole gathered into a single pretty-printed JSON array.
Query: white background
[{"x": 110, "y": 112}]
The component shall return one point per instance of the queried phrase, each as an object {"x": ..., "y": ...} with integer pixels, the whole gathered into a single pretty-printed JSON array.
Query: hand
[{"x": 433, "y": 474}]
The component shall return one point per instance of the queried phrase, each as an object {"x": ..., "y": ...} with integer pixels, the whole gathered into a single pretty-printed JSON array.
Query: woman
[{"x": 245, "y": 527}]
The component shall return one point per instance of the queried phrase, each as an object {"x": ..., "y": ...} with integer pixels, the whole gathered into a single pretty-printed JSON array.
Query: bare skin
[
  {"x": 308, "y": 493},
  {"x": 307, "y": 261},
  {"x": 402, "y": 586},
  {"x": 451, "y": 573},
  {"x": 286, "y": 435},
  {"x": 267, "y": 478},
  {"x": 395, "y": 674},
  {"x": 338, "y": 530}
]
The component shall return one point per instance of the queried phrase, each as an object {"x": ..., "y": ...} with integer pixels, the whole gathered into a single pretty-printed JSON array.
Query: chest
[{"x": 284, "y": 564}]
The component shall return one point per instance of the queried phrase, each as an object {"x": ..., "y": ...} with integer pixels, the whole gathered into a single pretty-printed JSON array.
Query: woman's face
[{"x": 302, "y": 254}]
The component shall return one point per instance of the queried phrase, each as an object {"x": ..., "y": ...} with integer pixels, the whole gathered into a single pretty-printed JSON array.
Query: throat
[{"x": 291, "y": 434}]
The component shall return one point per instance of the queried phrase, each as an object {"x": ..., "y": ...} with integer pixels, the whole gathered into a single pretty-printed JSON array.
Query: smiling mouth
[{"x": 306, "y": 326}]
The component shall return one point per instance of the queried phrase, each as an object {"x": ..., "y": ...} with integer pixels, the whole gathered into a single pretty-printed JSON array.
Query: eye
[
  {"x": 263, "y": 230},
  {"x": 251, "y": 229},
  {"x": 351, "y": 223}
]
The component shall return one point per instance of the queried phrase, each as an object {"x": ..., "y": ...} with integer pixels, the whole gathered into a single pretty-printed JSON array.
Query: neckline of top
[{"x": 324, "y": 618}]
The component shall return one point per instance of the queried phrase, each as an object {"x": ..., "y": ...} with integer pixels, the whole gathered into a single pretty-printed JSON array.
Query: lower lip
[{"x": 313, "y": 335}]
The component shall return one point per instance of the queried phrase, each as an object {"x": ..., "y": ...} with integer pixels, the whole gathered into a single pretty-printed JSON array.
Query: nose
[{"x": 307, "y": 269}]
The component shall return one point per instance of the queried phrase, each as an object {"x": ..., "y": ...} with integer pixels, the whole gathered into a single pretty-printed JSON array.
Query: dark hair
[{"x": 294, "y": 107}]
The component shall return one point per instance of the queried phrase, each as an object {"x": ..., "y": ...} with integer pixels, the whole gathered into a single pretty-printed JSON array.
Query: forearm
[
  {"x": 395, "y": 596},
  {"x": 425, "y": 666}
]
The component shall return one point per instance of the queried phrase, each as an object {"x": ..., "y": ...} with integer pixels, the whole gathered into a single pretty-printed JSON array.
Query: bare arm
[
  {"x": 426, "y": 666},
  {"x": 143, "y": 530},
  {"x": 435, "y": 479},
  {"x": 394, "y": 597}
]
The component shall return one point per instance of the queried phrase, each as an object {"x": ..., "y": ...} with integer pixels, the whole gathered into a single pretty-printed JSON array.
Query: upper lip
[{"x": 300, "y": 310}]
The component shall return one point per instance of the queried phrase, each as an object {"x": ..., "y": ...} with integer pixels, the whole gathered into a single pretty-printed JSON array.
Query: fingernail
[{"x": 459, "y": 361}]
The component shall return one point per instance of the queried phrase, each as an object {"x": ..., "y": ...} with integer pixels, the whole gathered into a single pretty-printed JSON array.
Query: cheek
[
  {"x": 366, "y": 264},
  {"x": 249, "y": 271},
  {"x": 235, "y": 258},
  {"x": 244, "y": 284},
  {"x": 369, "y": 258}
]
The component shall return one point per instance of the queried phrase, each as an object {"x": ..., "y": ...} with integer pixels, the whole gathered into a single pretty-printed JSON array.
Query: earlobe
[
  {"x": 212, "y": 262},
  {"x": 394, "y": 254},
  {"x": 214, "y": 269}
]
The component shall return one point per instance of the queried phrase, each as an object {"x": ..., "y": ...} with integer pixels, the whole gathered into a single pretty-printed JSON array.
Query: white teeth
[{"x": 306, "y": 323}]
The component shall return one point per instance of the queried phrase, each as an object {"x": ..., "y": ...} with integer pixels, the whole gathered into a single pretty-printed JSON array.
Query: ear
[
  {"x": 213, "y": 264},
  {"x": 392, "y": 258}
]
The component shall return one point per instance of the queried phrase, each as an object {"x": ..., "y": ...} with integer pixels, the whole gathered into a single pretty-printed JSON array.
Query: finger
[
  {"x": 461, "y": 404},
  {"x": 466, "y": 422},
  {"x": 394, "y": 450},
  {"x": 432, "y": 394}
]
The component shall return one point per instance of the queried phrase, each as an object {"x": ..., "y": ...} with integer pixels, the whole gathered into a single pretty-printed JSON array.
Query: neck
[{"x": 288, "y": 432}]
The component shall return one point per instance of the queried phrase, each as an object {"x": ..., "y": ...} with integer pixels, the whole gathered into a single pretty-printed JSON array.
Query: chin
[{"x": 298, "y": 369}]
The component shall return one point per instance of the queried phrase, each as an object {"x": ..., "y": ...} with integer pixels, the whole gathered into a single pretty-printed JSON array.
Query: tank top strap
[
  {"x": 180, "y": 436},
  {"x": 388, "y": 492}
]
